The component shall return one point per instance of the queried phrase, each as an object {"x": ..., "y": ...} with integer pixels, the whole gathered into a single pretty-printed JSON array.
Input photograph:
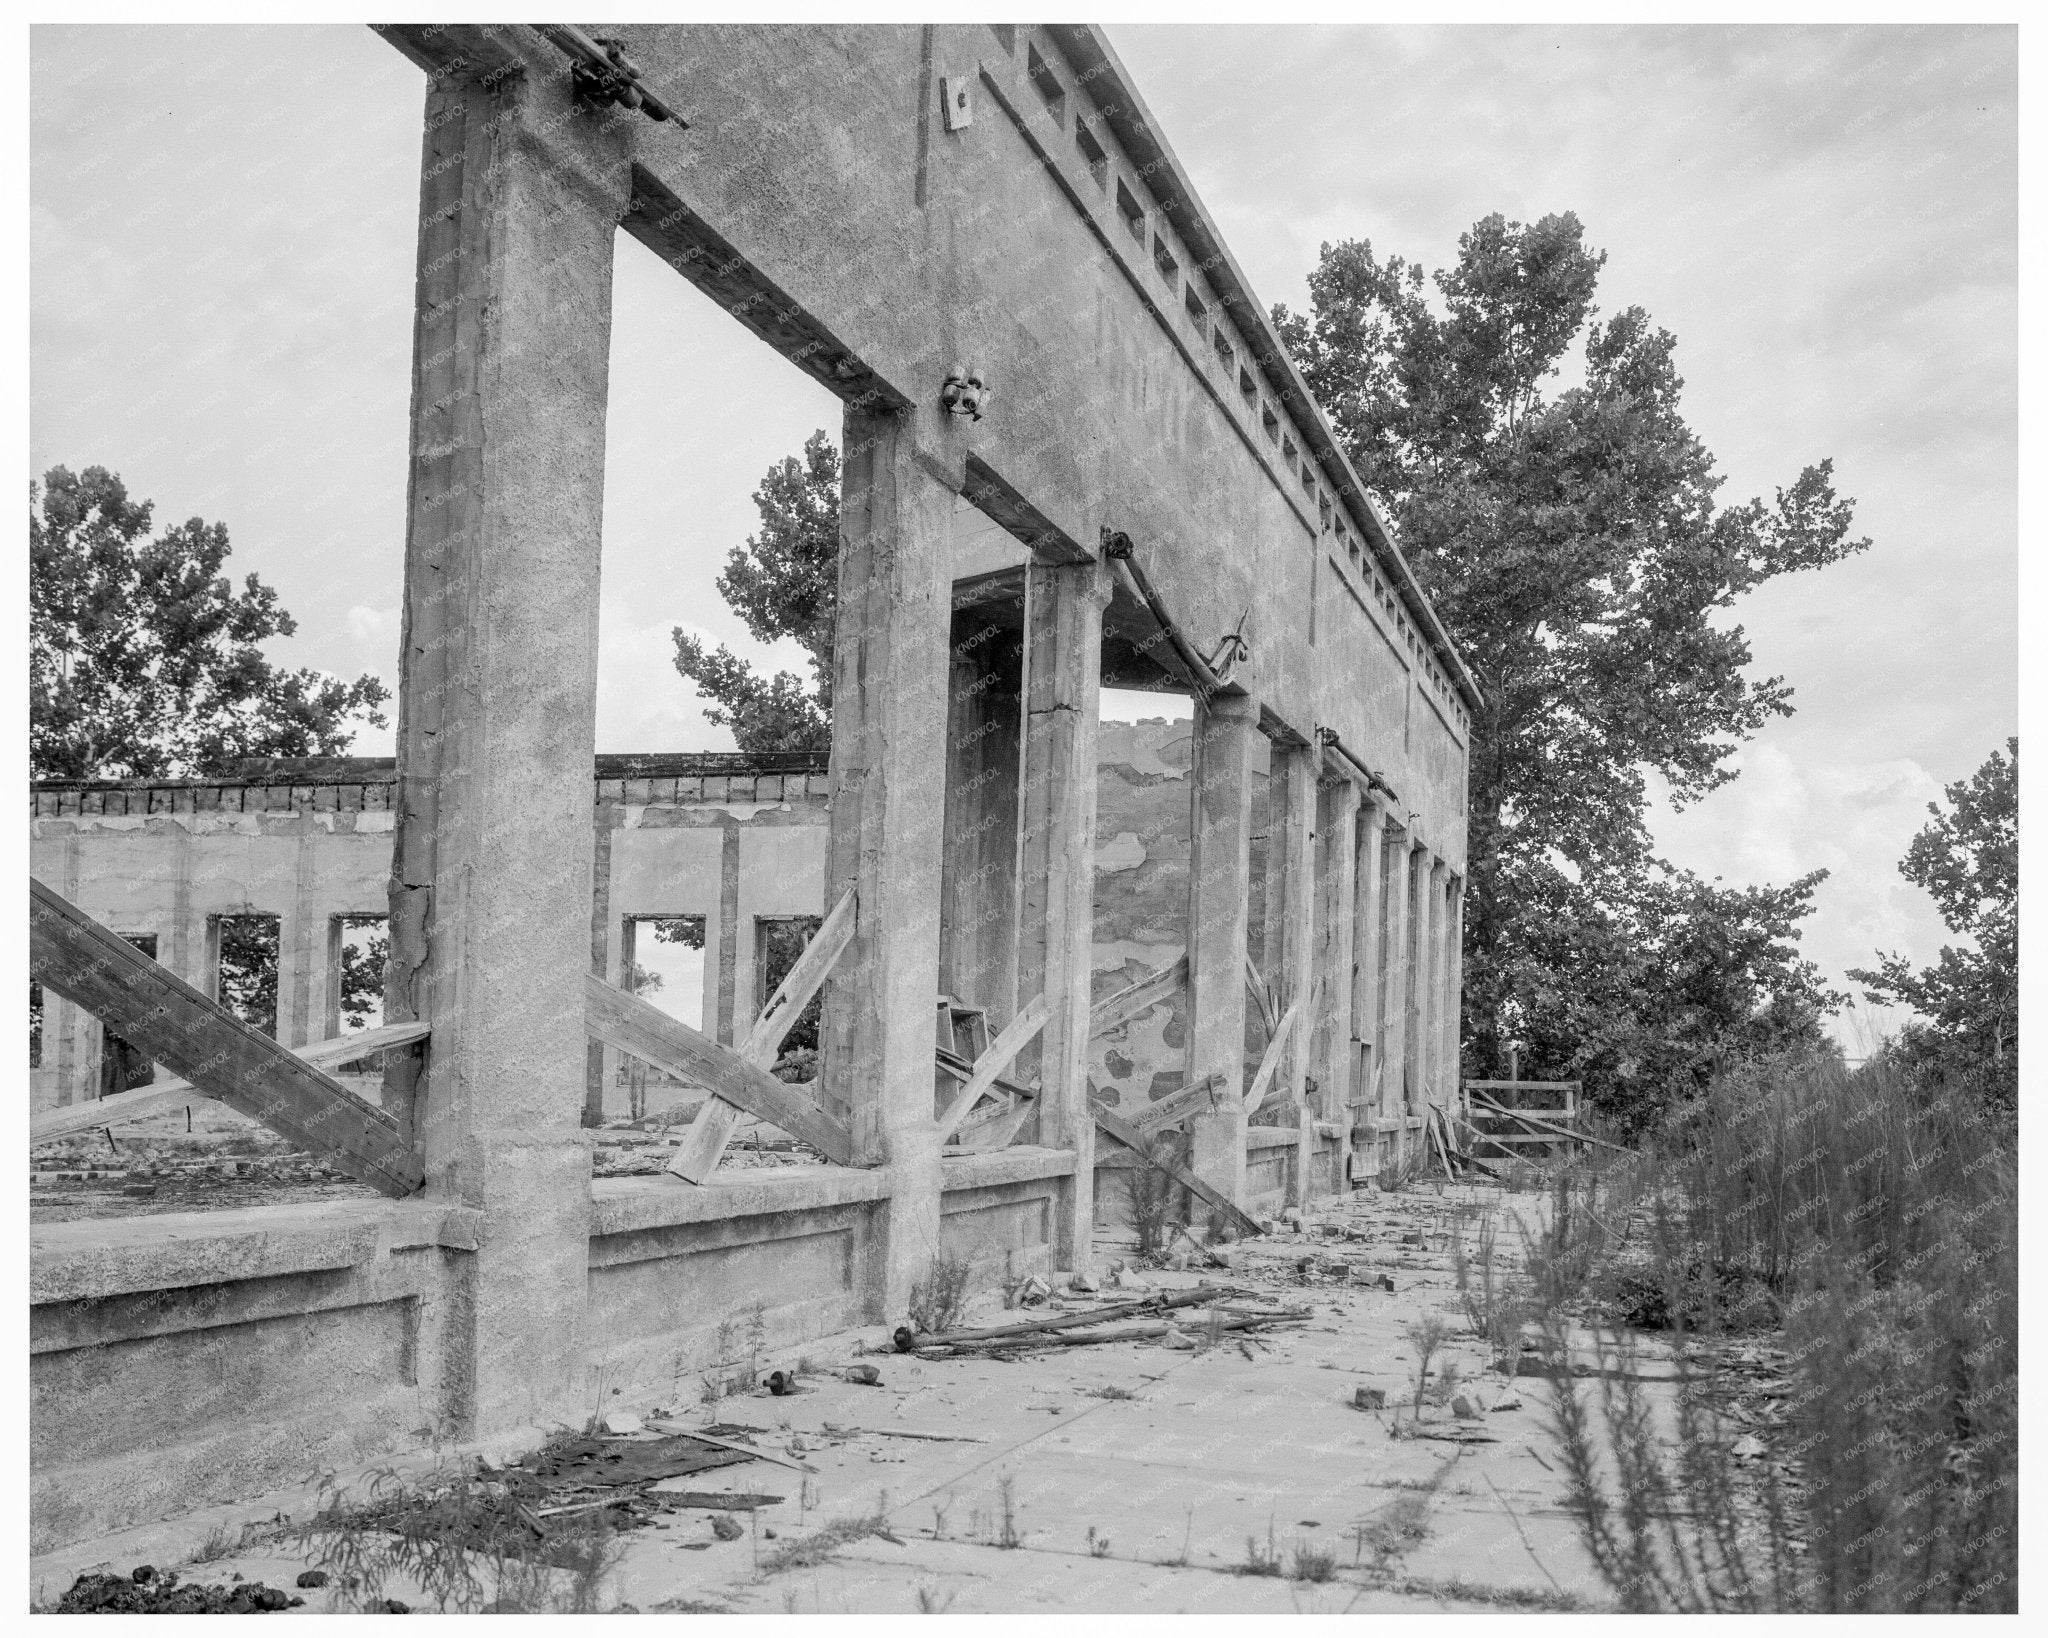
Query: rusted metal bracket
[
  {"x": 1328, "y": 740},
  {"x": 1117, "y": 548},
  {"x": 604, "y": 73}
]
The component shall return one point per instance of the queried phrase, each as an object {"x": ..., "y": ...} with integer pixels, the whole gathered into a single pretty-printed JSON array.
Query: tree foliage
[
  {"x": 1968, "y": 860},
  {"x": 1570, "y": 538},
  {"x": 784, "y": 583},
  {"x": 144, "y": 662}
]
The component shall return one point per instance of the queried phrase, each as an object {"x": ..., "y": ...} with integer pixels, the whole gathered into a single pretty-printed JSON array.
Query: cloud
[{"x": 1783, "y": 818}]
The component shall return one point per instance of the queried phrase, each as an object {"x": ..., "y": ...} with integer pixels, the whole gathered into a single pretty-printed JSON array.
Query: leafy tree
[
  {"x": 1571, "y": 542},
  {"x": 1968, "y": 859},
  {"x": 143, "y": 660},
  {"x": 365, "y": 949},
  {"x": 248, "y": 969},
  {"x": 784, "y": 583}
]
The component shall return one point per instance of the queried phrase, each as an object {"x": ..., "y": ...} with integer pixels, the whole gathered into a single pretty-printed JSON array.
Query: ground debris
[{"x": 159, "y": 1592}]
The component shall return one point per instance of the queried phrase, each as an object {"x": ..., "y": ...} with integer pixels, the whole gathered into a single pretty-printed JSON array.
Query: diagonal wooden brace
[
  {"x": 630, "y": 1024},
  {"x": 1176, "y": 1107},
  {"x": 1269, "y": 1063},
  {"x": 152, "y": 1100},
  {"x": 172, "y": 1023},
  {"x": 704, "y": 1144},
  {"x": 1131, "y": 1138},
  {"x": 1002, "y": 1051},
  {"x": 1126, "y": 1004}
]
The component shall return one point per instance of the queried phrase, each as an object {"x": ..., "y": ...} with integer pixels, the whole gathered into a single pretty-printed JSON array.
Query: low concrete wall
[
  {"x": 997, "y": 1211},
  {"x": 193, "y": 1358},
  {"x": 1268, "y": 1167},
  {"x": 683, "y": 1278}
]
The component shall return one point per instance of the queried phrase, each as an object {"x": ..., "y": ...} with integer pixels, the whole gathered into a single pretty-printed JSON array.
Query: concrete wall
[
  {"x": 709, "y": 835},
  {"x": 1055, "y": 245}
]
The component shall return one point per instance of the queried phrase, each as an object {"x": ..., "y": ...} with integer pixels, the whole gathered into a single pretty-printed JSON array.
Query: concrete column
[
  {"x": 1063, "y": 604},
  {"x": 1420, "y": 983},
  {"x": 1394, "y": 990},
  {"x": 890, "y": 664},
  {"x": 491, "y": 874},
  {"x": 1439, "y": 976},
  {"x": 1293, "y": 841},
  {"x": 1370, "y": 922},
  {"x": 1453, "y": 991},
  {"x": 1336, "y": 961},
  {"x": 597, "y": 1059},
  {"x": 1219, "y": 914}
]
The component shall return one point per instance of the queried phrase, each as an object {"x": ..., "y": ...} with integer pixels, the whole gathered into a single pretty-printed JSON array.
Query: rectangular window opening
[
  {"x": 778, "y": 942},
  {"x": 1162, "y": 258},
  {"x": 1133, "y": 213},
  {"x": 1248, "y": 388},
  {"x": 1224, "y": 350},
  {"x": 1046, "y": 81},
  {"x": 122, "y": 1067},
  {"x": 1095, "y": 154},
  {"x": 1197, "y": 309},
  {"x": 1271, "y": 422},
  {"x": 661, "y": 960},
  {"x": 361, "y": 947},
  {"x": 245, "y": 969}
]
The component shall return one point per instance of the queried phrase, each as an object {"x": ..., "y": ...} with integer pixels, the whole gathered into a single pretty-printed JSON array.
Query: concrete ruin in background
[{"x": 977, "y": 237}]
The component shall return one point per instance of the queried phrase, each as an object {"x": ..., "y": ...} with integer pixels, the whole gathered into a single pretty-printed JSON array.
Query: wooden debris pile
[{"x": 1144, "y": 1319}]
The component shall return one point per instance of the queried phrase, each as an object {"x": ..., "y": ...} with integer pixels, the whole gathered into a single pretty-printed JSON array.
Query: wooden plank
[
  {"x": 704, "y": 1144},
  {"x": 171, "y": 1023},
  {"x": 1120, "y": 1008},
  {"x": 172, "y": 1094},
  {"x": 1522, "y": 1086},
  {"x": 1002, "y": 1052},
  {"x": 704, "y": 1438},
  {"x": 1134, "y": 1140},
  {"x": 632, "y": 1025},
  {"x": 999, "y": 1130},
  {"x": 1262, "y": 995},
  {"x": 763, "y": 1044},
  {"x": 1176, "y": 1107},
  {"x": 1536, "y": 1122},
  {"x": 1269, "y": 1061}
]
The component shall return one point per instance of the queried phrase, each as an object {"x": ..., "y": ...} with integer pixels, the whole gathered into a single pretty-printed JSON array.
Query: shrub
[{"x": 1875, "y": 1223}]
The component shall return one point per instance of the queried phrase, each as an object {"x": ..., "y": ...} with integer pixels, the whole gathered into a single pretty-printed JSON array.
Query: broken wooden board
[
  {"x": 704, "y": 1144},
  {"x": 1002, "y": 1052},
  {"x": 746, "y": 1452},
  {"x": 174, "y": 1093},
  {"x": 1262, "y": 996},
  {"x": 171, "y": 1023},
  {"x": 997, "y": 1131},
  {"x": 1176, "y": 1107},
  {"x": 1269, "y": 1063},
  {"x": 1133, "y": 1139},
  {"x": 632, "y": 1025},
  {"x": 1120, "y": 1008}
]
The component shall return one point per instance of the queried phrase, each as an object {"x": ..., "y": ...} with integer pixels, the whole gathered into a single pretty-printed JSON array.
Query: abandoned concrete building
[{"x": 1243, "y": 926}]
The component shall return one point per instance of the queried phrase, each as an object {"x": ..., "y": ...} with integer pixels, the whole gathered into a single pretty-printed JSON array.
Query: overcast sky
[{"x": 222, "y": 257}]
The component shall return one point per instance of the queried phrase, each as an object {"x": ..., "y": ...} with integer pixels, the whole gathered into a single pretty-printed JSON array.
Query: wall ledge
[
  {"x": 1022, "y": 1164},
  {"x": 96, "y": 1257},
  {"x": 625, "y": 1205}
]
